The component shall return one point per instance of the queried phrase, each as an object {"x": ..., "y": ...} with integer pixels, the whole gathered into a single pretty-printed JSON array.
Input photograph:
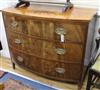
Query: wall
[
  {"x": 4, "y": 4},
  {"x": 5, "y": 51},
  {"x": 80, "y": 3},
  {"x": 97, "y": 27},
  {"x": 86, "y": 3},
  {"x": 94, "y": 24}
]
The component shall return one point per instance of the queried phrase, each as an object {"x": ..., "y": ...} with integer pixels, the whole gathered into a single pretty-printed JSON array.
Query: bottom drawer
[
  {"x": 63, "y": 71},
  {"x": 51, "y": 69},
  {"x": 26, "y": 60}
]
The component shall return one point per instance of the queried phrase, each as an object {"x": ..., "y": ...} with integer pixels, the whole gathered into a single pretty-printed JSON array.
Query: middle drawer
[{"x": 45, "y": 49}]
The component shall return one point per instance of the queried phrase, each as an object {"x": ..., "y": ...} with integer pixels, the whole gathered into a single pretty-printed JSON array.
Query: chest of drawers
[{"x": 48, "y": 44}]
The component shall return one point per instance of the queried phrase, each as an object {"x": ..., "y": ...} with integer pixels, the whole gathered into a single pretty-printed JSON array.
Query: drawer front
[
  {"x": 51, "y": 69},
  {"x": 28, "y": 45},
  {"x": 61, "y": 71},
  {"x": 29, "y": 26},
  {"x": 63, "y": 52},
  {"x": 15, "y": 23},
  {"x": 23, "y": 25},
  {"x": 26, "y": 60},
  {"x": 61, "y": 32},
  {"x": 34, "y": 28},
  {"x": 71, "y": 32}
]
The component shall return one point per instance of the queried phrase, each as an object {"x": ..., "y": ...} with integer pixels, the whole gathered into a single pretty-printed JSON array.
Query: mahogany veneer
[{"x": 47, "y": 43}]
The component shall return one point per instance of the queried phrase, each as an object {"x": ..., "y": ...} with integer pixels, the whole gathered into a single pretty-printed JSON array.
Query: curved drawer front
[
  {"x": 61, "y": 32},
  {"x": 29, "y": 26},
  {"x": 51, "y": 69},
  {"x": 63, "y": 52},
  {"x": 72, "y": 32},
  {"x": 62, "y": 71},
  {"x": 23, "y": 25},
  {"x": 28, "y": 45},
  {"x": 41, "y": 29},
  {"x": 26, "y": 60},
  {"x": 15, "y": 23},
  {"x": 47, "y": 50}
]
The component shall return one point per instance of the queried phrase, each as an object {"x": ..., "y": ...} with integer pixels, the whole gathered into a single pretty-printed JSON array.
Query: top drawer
[{"x": 55, "y": 31}]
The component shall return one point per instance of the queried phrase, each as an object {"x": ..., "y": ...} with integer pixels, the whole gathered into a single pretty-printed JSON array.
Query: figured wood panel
[
  {"x": 26, "y": 60},
  {"x": 61, "y": 70},
  {"x": 48, "y": 30},
  {"x": 23, "y": 25},
  {"x": 18, "y": 41},
  {"x": 51, "y": 69},
  {"x": 74, "y": 14},
  {"x": 28, "y": 45},
  {"x": 38, "y": 47},
  {"x": 63, "y": 52},
  {"x": 73, "y": 32},
  {"x": 34, "y": 28},
  {"x": 14, "y": 23},
  {"x": 29, "y": 27},
  {"x": 45, "y": 49}
]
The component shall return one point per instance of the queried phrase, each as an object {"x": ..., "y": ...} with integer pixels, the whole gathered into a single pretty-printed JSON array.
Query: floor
[
  {"x": 6, "y": 65},
  {"x": 23, "y": 81}
]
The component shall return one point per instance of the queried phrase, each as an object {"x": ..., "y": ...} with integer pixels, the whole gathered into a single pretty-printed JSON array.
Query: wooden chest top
[{"x": 74, "y": 14}]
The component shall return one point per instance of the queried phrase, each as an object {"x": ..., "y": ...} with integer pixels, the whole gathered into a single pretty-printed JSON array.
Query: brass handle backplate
[
  {"x": 61, "y": 32},
  {"x": 60, "y": 70},
  {"x": 20, "y": 59},
  {"x": 14, "y": 24},
  {"x": 60, "y": 51},
  {"x": 17, "y": 41}
]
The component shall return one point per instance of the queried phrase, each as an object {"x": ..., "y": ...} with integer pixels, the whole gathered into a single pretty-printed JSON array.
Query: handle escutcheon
[
  {"x": 14, "y": 24},
  {"x": 61, "y": 32},
  {"x": 60, "y": 70},
  {"x": 20, "y": 59},
  {"x": 60, "y": 51},
  {"x": 17, "y": 41}
]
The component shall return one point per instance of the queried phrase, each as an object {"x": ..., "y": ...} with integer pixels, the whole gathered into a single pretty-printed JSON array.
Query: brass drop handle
[
  {"x": 20, "y": 59},
  {"x": 60, "y": 51},
  {"x": 61, "y": 32},
  {"x": 14, "y": 24},
  {"x": 60, "y": 70},
  {"x": 17, "y": 41}
]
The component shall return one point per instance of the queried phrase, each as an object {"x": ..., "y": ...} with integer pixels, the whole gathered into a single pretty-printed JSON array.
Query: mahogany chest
[{"x": 47, "y": 43}]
